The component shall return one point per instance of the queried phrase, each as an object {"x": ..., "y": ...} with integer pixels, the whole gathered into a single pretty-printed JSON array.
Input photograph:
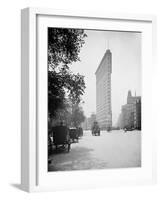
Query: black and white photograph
[{"x": 94, "y": 99}]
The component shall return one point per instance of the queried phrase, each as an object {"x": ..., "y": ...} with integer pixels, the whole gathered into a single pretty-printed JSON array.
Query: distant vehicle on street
[
  {"x": 95, "y": 129},
  {"x": 129, "y": 129}
]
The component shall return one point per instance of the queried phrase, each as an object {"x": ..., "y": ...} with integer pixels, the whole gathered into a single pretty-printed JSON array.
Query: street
[{"x": 115, "y": 149}]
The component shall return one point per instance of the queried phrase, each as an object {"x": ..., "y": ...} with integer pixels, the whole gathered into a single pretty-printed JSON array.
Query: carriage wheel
[{"x": 68, "y": 147}]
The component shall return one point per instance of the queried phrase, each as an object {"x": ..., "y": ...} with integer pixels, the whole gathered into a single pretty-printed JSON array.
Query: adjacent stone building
[
  {"x": 103, "y": 91},
  {"x": 130, "y": 116}
]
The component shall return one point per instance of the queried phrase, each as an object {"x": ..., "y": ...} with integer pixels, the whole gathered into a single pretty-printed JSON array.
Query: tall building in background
[
  {"x": 130, "y": 116},
  {"x": 103, "y": 91}
]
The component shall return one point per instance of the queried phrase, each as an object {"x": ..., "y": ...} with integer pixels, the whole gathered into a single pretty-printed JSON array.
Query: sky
[{"x": 126, "y": 67}]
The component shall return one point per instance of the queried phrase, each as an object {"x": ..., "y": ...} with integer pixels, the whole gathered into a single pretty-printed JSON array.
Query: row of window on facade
[{"x": 130, "y": 116}]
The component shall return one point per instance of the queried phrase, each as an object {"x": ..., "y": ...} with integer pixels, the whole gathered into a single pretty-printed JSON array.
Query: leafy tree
[
  {"x": 77, "y": 116},
  {"x": 63, "y": 48},
  {"x": 56, "y": 93}
]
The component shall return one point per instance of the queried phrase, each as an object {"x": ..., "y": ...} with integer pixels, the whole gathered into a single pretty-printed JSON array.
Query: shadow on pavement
[{"x": 78, "y": 158}]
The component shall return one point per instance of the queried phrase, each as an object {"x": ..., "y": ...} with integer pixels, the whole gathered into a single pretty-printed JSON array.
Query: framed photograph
[{"x": 87, "y": 118}]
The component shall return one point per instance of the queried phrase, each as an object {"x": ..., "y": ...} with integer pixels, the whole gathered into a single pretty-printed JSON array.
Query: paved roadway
[{"x": 110, "y": 150}]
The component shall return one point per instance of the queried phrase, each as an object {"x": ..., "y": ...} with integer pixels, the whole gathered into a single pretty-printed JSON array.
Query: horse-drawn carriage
[
  {"x": 74, "y": 134},
  {"x": 61, "y": 137},
  {"x": 80, "y": 132},
  {"x": 95, "y": 129}
]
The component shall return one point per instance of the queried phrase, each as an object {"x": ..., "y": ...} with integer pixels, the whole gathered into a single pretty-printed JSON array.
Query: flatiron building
[{"x": 103, "y": 91}]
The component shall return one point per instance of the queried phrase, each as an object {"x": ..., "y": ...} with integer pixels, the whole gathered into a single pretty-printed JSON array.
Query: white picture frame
[{"x": 32, "y": 177}]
